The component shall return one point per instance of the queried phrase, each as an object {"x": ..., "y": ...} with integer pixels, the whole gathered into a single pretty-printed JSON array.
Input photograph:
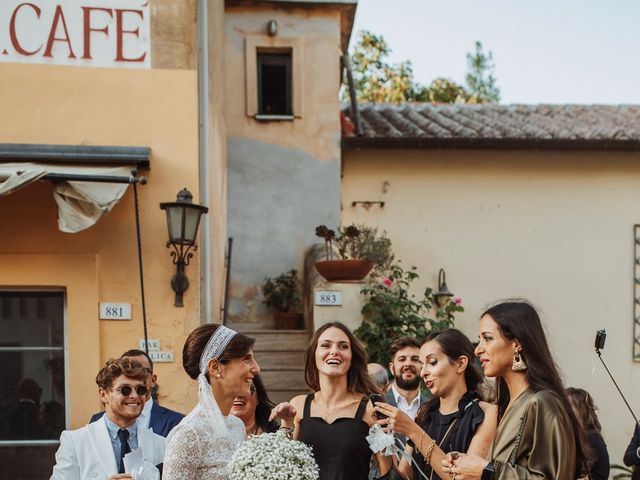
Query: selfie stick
[{"x": 616, "y": 384}]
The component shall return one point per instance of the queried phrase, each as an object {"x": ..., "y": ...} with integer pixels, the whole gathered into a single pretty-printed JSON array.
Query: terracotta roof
[{"x": 426, "y": 125}]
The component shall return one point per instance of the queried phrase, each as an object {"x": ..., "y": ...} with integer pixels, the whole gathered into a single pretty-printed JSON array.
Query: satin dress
[{"x": 545, "y": 446}]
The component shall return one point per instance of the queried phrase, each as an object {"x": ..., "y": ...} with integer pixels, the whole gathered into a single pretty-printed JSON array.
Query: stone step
[
  {"x": 279, "y": 340},
  {"x": 283, "y": 380},
  {"x": 285, "y": 360},
  {"x": 279, "y": 396}
]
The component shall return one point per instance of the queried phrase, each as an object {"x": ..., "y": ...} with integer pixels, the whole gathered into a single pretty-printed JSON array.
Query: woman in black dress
[
  {"x": 585, "y": 409},
  {"x": 335, "y": 420},
  {"x": 454, "y": 419}
]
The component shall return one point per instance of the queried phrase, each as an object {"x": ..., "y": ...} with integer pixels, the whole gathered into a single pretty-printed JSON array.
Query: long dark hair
[
  {"x": 454, "y": 345},
  {"x": 263, "y": 407},
  {"x": 585, "y": 409},
  {"x": 358, "y": 380},
  {"x": 519, "y": 320}
]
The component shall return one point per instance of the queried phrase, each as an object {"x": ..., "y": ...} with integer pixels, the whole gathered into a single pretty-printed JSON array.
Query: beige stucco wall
[
  {"x": 317, "y": 29},
  {"x": 120, "y": 107},
  {"x": 109, "y": 107},
  {"x": 556, "y": 228},
  {"x": 284, "y": 176}
]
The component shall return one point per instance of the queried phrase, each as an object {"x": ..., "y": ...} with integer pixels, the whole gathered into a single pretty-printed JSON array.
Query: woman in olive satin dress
[{"x": 538, "y": 435}]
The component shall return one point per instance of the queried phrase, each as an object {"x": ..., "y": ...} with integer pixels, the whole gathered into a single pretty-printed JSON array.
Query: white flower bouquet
[{"x": 273, "y": 456}]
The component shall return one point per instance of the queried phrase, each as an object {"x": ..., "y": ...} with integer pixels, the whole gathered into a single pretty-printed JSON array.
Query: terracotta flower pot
[
  {"x": 288, "y": 320},
  {"x": 344, "y": 270}
]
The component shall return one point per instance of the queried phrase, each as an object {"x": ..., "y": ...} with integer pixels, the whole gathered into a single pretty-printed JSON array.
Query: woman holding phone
[{"x": 454, "y": 419}]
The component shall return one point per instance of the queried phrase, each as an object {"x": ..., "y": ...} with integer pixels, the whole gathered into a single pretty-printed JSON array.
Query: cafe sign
[{"x": 90, "y": 33}]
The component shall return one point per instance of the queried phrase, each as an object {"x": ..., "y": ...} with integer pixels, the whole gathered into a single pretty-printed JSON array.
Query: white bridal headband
[
  {"x": 216, "y": 345},
  {"x": 213, "y": 350}
]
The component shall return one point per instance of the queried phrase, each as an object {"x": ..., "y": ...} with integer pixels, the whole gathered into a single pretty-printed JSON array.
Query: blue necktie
[{"x": 123, "y": 435}]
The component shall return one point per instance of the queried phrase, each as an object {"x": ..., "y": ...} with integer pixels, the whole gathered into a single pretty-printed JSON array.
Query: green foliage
[
  {"x": 377, "y": 80},
  {"x": 366, "y": 244},
  {"x": 481, "y": 84},
  {"x": 358, "y": 242},
  {"x": 281, "y": 292},
  {"x": 392, "y": 312},
  {"x": 624, "y": 472}
]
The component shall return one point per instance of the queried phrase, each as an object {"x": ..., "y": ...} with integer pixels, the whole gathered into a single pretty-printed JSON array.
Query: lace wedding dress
[{"x": 195, "y": 452}]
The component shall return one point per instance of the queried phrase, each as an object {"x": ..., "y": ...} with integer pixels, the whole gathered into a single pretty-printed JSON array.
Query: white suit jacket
[{"x": 87, "y": 453}]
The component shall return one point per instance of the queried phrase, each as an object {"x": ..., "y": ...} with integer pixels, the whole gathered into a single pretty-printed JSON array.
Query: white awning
[{"x": 83, "y": 192}]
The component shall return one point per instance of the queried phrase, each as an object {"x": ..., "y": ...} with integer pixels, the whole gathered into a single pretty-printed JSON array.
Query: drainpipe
[{"x": 203, "y": 161}]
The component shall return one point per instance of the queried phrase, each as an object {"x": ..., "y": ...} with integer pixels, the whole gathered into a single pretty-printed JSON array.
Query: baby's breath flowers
[{"x": 273, "y": 456}]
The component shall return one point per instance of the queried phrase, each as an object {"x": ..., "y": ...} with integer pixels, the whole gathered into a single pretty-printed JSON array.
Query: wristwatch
[{"x": 487, "y": 472}]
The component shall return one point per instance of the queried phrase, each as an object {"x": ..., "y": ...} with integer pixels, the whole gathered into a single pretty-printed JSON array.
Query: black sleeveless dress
[
  {"x": 340, "y": 448},
  {"x": 452, "y": 432}
]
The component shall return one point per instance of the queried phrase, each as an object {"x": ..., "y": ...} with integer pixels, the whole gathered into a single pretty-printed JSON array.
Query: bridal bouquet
[{"x": 273, "y": 456}]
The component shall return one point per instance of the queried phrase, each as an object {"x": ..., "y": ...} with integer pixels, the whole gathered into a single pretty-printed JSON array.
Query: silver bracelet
[{"x": 288, "y": 431}]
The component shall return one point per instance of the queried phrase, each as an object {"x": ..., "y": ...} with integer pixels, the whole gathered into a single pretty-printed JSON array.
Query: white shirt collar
[
  {"x": 398, "y": 396},
  {"x": 145, "y": 415}
]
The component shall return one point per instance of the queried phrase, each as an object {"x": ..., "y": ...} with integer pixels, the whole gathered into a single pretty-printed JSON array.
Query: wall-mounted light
[
  {"x": 443, "y": 295},
  {"x": 183, "y": 220},
  {"x": 272, "y": 28}
]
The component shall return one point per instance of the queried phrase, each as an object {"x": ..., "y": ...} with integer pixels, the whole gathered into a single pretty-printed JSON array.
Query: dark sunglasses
[{"x": 126, "y": 390}]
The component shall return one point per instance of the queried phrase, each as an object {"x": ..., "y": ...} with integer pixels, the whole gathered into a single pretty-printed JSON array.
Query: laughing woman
[
  {"x": 201, "y": 445},
  {"x": 254, "y": 410},
  {"x": 335, "y": 420},
  {"x": 538, "y": 436},
  {"x": 454, "y": 419}
]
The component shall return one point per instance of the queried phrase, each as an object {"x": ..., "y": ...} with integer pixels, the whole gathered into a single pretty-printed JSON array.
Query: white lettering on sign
[
  {"x": 328, "y": 298},
  {"x": 161, "y": 357},
  {"x": 154, "y": 345},
  {"x": 89, "y": 33},
  {"x": 115, "y": 311}
]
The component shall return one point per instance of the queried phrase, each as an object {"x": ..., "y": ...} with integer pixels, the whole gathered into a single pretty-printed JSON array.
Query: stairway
[{"x": 280, "y": 354}]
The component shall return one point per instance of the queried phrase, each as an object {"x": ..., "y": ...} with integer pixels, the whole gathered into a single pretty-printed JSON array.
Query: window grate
[{"x": 636, "y": 294}]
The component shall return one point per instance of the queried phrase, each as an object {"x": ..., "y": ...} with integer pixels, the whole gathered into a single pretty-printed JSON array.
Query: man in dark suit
[
  {"x": 154, "y": 416},
  {"x": 404, "y": 392},
  {"x": 632, "y": 455},
  {"x": 405, "y": 366}
]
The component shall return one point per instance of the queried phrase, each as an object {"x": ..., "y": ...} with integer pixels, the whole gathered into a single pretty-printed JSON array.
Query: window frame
[
  {"x": 255, "y": 44},
  {"x": 63, "y": 349}
]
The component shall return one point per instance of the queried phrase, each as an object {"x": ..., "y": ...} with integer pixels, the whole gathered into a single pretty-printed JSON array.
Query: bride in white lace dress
[{"x": 200, "y": 447}]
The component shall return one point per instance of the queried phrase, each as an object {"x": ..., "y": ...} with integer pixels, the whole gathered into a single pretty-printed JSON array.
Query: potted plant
[
  {"x": 281, "y": 295},
  {"x": 359, "y": 250}
]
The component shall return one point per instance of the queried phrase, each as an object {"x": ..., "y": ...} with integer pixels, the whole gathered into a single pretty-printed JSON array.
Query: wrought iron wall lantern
[
  {"x": 183, "y": 220},
  {"x": 443, "y": 295}
]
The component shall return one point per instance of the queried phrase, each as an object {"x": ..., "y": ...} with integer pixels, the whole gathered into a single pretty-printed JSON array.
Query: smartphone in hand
[{"x": 375, "y": 398}]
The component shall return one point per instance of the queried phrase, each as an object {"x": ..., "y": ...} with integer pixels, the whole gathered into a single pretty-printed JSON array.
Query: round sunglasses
[{"x": 126, "y": 390}]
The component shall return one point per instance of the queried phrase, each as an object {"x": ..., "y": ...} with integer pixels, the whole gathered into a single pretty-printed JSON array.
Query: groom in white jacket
[{"x": 96, "y": 450}]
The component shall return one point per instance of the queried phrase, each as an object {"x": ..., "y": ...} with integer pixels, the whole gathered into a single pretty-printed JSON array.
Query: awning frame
[{"x": 140, "y": 157}]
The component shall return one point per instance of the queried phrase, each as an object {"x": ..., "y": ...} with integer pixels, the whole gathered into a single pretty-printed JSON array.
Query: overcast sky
[{"x": 545, "y": 51}]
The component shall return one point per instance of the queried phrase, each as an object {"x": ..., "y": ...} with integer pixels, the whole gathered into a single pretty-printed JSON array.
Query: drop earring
[{"x": 518, "y": 364}]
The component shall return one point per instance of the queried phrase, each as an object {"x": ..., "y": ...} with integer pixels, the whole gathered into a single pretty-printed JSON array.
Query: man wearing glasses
[
  {"x": 154, "y": 416},
  {"x": 98, "y": 449}
]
